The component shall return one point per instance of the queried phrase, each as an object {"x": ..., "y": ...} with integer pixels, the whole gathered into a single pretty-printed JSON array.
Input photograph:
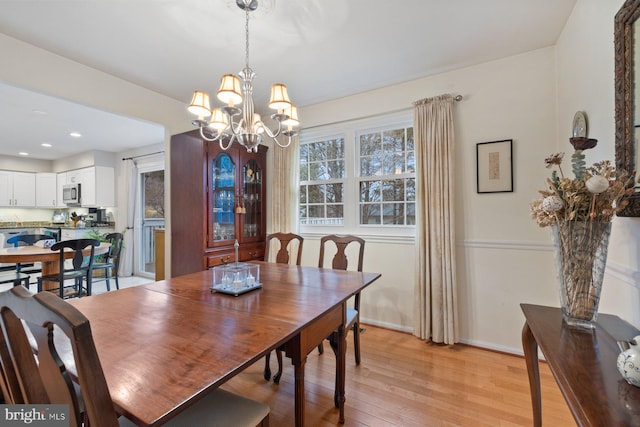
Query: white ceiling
[{"x": 322, "y": 49}]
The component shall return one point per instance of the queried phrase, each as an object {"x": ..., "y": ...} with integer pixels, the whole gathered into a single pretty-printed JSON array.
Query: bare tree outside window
[{"x": 154, "y": 194}]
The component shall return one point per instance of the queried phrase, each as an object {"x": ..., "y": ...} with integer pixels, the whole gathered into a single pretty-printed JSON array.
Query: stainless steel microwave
[{"x": 71, "y": 194}]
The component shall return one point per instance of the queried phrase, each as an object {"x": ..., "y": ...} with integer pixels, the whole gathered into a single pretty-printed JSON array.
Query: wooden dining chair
[
  {"x": 340, "y": 262},
  {"x": 28, "y": 240},
  {"x": 111, "y": 264},
  {"x": 67, "y": 368},
  {"x": 16, "y": 278},
  {"x": 79, "y": 273},
  {"x": 288, "y": 242}
]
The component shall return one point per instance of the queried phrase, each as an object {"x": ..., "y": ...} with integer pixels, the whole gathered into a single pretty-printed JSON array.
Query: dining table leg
[
  {"x": 338, "y": 341},
  {"x": 50, "y": 268},
  {"x": 299, "y": 391}
]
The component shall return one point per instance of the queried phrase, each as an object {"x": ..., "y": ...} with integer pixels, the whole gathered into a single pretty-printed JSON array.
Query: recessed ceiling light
[
  {"x": 75, "y": 134},
  {"x": 40, "y": 112},
  {"x": 45, "y": 144},
  {"x": 22, "y": 153}
]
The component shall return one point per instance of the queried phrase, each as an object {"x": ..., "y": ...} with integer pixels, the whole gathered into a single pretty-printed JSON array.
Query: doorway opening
[{"x": 150, "y": 217}]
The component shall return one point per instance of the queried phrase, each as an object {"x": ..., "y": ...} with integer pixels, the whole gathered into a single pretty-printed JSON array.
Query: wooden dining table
[
  {"x": 44, "y": 255},
  {"x": 165, "y": 345}
]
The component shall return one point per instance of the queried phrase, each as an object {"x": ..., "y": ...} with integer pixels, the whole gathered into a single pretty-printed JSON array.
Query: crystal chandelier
[{"x": 243, "y": 125}]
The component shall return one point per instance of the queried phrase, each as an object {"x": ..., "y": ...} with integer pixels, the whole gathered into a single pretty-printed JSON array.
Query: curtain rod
[
  {"x": 141, "y": 155},
  {"x": 456, "y": 98}
]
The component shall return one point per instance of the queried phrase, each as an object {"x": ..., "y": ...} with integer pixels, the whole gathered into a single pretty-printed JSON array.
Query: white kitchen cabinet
[
  {"x": 17, "y": 189},
  {"x": 46, "y": 190},
  {"x": 61, "y": 180},
  {"x": 97, "y": 185}
]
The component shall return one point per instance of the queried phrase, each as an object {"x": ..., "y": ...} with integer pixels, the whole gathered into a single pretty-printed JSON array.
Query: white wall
[
  {"x": 512, "y": 98},
  {"x": 585, "y": 59}
]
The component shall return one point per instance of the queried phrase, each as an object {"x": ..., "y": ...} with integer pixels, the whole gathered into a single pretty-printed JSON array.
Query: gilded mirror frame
[{"x": 625, "y": 145}]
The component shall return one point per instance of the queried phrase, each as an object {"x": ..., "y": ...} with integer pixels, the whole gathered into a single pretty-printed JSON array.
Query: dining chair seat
[
  {"x": 80, "y": 272},
  {"x": 59, "y": 331}
]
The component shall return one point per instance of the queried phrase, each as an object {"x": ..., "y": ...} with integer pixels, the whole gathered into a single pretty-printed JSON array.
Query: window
[
  {"x": 387, "y": 177},
  {"x": 322, "y": 174},
  {"x": 358, "y": 177}
]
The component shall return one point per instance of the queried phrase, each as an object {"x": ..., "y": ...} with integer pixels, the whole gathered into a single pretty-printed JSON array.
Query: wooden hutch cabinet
[{"x": 217, "y": 196}]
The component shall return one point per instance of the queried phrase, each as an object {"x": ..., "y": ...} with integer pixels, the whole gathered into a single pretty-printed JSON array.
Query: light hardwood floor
[{"x": 404, "y": 381}]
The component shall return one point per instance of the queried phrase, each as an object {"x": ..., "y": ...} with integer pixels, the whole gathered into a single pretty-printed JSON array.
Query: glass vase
[{"x": 580, "y": 252}]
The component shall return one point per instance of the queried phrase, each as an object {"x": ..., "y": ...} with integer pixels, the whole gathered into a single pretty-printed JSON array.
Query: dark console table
[{"x": 584, "y": 366}]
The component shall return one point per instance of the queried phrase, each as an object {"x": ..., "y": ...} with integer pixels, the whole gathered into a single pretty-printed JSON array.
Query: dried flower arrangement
[
  {"x": 595, "y": 194},
  {"x": 580, "y": 212}
]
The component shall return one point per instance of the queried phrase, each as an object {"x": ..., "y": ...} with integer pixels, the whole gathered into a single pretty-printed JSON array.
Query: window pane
[
  {"x": 411, "y": 162},
  {"x": 411, "y": 189},
  {"x": 335, "y": 149},
  {"x": 317, "y": 151},
  {"x": 334, "y": 193},
  {"x": 317, "y": 172},
  {"x": 393, "y": 140},
  {"x": 335, "y": 212},
  {"x": 410, "y": 146},
  {"x": 393, "y": 213},
  {"x": 394, "y": 164},
  {"x": 371, "y": 166},
  {"x": 303, "y": 212},
  {"x": 304, "y": 172},
  {"x": 335, "y": 169},
  {"x": 316, "y": 193},
  {"x": 370, "y": 191},
  {"x": 393, "y": 190},
  {"x": 303, "y": 194},
  {"x": 370, "y": 214},
  {"x": 370, "y": 144},
  {"x": 304, "y": 152},
  {"x": 411, "y": 214},
  {"x": 316, "y": 213}
]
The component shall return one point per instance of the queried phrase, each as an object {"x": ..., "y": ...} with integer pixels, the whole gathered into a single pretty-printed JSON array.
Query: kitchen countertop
[{"x": 40, "y": 224}]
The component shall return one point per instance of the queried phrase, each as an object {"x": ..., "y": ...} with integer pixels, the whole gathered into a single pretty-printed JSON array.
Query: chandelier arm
[
  {"x": 228, "y": 145},
  {"x": 237, "y": 128},
  {"x": 216, "y": 138},
  {"x": 289, "y": 140},
  {"x": 272, "y": 134}
]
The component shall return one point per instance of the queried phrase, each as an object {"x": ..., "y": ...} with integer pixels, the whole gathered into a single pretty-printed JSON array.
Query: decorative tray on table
[{"x": 236, "y": 278}]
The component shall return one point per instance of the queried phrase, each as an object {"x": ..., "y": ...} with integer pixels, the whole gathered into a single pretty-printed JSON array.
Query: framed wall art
[{"x": 494, "y": 166}]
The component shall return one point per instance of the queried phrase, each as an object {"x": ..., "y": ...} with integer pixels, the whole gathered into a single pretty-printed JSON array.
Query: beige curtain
[
  {"x": 283, "y": 191},
  {"x": 436, "y": 302}
]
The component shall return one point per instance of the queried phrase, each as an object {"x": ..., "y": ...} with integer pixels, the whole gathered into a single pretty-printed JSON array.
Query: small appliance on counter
[{"x": 59, "y": 217}]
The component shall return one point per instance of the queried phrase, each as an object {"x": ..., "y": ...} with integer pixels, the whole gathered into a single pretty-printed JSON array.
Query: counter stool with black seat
[
  {"x": 112, "y": 261},
  {"x": 79, "y": 273}
]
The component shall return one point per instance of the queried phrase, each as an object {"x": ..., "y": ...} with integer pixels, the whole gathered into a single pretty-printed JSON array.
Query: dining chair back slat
[{"x": 287, "y": 243}]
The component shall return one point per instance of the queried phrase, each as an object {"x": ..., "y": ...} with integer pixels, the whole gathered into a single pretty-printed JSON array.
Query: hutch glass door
[
  {"x": 223, "y": 198},
  {"x": 252, "y": 174}
]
